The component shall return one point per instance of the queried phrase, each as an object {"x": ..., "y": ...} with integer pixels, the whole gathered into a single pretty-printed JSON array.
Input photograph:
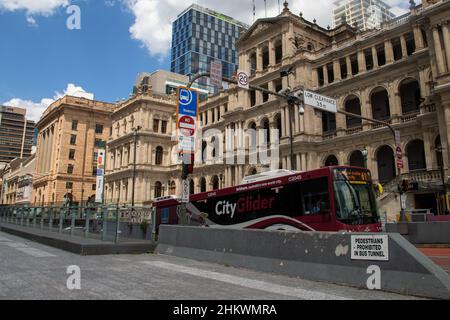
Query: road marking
[
  {"x": 248, "y": 283},
  {"x": 22, "y": 247}
]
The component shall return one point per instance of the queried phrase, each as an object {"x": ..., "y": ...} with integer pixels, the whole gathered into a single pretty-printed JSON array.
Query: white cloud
[
  {"x": 153, "y": 18},
  {"x": 35, "y": 109},
  {"x": 33, "y": 7}
]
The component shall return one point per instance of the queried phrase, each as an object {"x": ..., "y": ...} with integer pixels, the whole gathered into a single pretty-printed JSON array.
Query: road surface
[{"x": 33, "y": 271}]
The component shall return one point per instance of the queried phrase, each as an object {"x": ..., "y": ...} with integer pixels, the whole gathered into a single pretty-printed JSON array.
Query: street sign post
[
  {"x": 185, "y": 192},
  {"x": 187, "y": 114},
  {"x": 321, "y": 102},
  {"x": 398, "y": 150},
  {"x": 216, "y": 73},
  {"x": 243, "y": 80}
]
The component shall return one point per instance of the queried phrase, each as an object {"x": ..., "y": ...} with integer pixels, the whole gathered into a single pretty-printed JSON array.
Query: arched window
[
  {"x": 415, "y": 152},
  {"x": 357, "y": 159},
  {"x": 278, "y": 122},
  {"x": 159, "y": 156},
  {"x": 265, "y": 58},
  {"x": 202, "y": 185},
  {"x": 172, "y": 188},
  {"x": 158, "y": 189},
  {"x": 252, "y": 137},
  {"x": 266, "y": 127},
  {"x": 215, "y": 183},
  {"x": 353, "y": 105},
  {"x": 331, "y": 161},
  {"x": 385, "y": 164},
  {"x": 253, "y": 63},
  {"x": 409, "y": 91},
  {"x": 380, "y": 104},
  {"x": 278, "y": 52}
]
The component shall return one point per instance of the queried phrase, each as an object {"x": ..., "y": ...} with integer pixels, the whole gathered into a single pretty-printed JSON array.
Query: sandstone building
[
  {"x": 66, "y": 154},
  {"x": 399, "y": 74}
]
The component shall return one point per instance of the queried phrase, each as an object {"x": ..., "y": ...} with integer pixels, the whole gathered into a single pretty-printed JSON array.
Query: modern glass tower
[
  {"x": 200, "y": 35},
  {"x": 366, "y": 14}
]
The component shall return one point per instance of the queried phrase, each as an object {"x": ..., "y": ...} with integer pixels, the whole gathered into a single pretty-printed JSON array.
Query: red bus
[{"x": 327, "y": 199}]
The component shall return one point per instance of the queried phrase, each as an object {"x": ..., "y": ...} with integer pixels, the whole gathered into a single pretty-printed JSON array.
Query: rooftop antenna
[
  {"x": 279, "y": 7},
  {"x": 265, "y": 7}
]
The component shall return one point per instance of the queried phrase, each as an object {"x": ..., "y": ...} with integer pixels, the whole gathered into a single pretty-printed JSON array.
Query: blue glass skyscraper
[{"x": 200, "y": 35}]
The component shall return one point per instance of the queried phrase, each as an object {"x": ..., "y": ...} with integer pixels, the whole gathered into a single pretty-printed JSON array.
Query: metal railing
[{"x": 107, "y": 223}]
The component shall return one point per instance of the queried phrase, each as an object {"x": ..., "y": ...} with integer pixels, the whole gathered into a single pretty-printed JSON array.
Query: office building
[
  {"x": 16, "y": 134},
  {"x": 200, "y": 35},
  {"x": 364, "y": 14},
  {"x": 66, "y": 154}
]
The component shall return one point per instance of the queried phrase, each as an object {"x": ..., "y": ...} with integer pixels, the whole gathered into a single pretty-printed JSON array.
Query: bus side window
[{"x": 315, "y": 196}]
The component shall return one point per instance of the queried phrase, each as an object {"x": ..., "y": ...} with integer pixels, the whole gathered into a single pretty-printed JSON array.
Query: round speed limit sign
[{"x": 243, "y": 80}]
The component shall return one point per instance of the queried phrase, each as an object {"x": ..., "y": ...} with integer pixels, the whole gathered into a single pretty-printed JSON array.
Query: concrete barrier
[
  {"x": 309, "y": 255},
  {"x": 425, "y": 232}
]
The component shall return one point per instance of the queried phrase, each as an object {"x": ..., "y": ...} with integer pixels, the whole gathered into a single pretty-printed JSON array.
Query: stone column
[
  {"x": 438, "y": 50},
  {"x": 388, "y": 51},
  {"x": 375, "y": 57},
  {"x": 403, "y": 45},
  {"x": 296, "y": 119},
  {"x": 283, "y": 122},
  {"x": 325, "y": 74},
  {"x": 287, "y": 119},
  {"x": 337, "y": 70},
  {"x": 446, "y": 36},
  {"x": 272, "y": 61},
  {"x": 315, "y": 78},
  {"x": 299, "y": 162},
  {"x": 418, "y": 38},
  {"x": 361, "y": 62},
  {"x": 259, "y": 61},
  {"x": 349, "y": 66},
  {"x": 304, "y": 164}
]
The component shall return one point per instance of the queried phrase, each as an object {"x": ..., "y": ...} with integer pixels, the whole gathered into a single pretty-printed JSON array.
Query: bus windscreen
[{"x": 355, "y": 198}]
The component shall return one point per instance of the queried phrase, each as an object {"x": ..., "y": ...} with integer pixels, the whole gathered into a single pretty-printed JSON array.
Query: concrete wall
[
  {"x": 425, "y": 232},
  {"x": 309, "y": 255}
]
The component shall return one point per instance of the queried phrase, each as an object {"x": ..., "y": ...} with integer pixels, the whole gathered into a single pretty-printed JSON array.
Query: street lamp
[
  {"x": 440, "y": 151},
  {"x": 135, "y": 134},
  {"x": 365, "y": 153},
  {"x": 286, "y": 73}
]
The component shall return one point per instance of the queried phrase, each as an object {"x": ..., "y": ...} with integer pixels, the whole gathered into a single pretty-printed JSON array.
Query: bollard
[
  {"x": 42, "y": 218},
  {"x": 61, "y": 217},
  {"x": 72, "y": 223},
  {"x": 34, "y": 218},
  {"x": 86, "y": 231},
  {"x": 104, "y": 222},
  {"x": 116, "y": 238},
  {"x": 28, "y": 217},
  {"x": 50, "y": 220}
]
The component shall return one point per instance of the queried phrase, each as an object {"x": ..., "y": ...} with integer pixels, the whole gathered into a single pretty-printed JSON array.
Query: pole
[{"x": 134, "y": 169}]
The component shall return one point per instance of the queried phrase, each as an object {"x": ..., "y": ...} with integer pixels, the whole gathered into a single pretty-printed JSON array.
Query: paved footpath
[{"x": 32, "y": 271}]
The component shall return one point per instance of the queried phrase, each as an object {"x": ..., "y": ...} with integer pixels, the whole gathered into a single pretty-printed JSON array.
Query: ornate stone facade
[{"x": 399, "y": 74}]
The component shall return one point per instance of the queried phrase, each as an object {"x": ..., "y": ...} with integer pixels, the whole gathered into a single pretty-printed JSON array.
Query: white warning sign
[{"x": 370, "y": 247}]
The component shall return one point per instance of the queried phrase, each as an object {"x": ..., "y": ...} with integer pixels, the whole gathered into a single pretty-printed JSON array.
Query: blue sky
[{"x": 41, "y": 59}]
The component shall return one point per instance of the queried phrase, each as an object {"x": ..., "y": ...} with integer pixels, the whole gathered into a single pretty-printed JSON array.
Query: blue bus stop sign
[{"x": 187, "y": 102}]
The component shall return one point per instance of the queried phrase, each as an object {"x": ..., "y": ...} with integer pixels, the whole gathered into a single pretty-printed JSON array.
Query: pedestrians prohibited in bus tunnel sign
[{"x": 370, "y": 247}]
